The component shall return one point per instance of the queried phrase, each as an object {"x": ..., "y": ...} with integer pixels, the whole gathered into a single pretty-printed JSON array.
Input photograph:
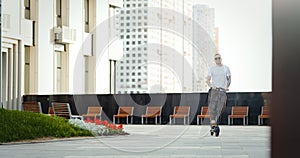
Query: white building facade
[
  {"x": 157, "y": 39},
  {"x": 73, "y": 47},
  {"x": 55, "y": 47}
]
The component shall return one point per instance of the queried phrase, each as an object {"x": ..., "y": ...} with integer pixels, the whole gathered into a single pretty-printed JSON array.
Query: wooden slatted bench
[
  {"x": 239, "y": 112},
  {"x": 204, "y": 114},
  {"x": 265, "y": 114},
  {"x": 32, "y": 106},
  {"x": 124, "y": 112},
  {"x": 64, "y": 110},
  {"x": 152, "y": 112},
  {"x": 180, "y": 112},
  {"x": 93, "y": 111}
]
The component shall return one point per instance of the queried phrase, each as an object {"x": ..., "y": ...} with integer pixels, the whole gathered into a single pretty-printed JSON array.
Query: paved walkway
[{"x": 159, "y": 141}]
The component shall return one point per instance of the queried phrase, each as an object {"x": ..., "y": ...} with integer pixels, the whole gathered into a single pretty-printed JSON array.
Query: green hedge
[{"x": 20, "y": 125}]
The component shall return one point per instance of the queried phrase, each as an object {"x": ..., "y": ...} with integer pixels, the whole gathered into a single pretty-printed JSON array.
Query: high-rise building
[
  {"x": 205, "y": 41},
  {"x": 157, "y": 57},
  {"x": 131, "y": 24}
]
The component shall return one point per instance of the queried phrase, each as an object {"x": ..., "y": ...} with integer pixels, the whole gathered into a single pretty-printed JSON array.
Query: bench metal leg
[{"x": 228, "y": 120}]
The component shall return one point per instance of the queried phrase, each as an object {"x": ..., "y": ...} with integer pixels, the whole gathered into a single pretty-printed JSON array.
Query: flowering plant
[{"x": 98, "y": 127}]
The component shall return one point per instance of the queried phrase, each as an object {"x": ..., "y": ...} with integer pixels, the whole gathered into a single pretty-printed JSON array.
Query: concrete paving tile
[{"x": 156, "y": 141}]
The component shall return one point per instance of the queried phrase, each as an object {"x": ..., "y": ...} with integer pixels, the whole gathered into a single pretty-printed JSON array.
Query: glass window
[{"x": 27, "y": 9}]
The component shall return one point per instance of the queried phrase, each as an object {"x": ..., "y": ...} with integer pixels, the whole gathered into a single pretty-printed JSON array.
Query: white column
[
  {"x": 21, "y": 63},
  {"x": 4, "y": 77},
  {"x": 44, "y": 46},
  {"x": 15, "y": 77},
  {"x": 10, "y": 79}
]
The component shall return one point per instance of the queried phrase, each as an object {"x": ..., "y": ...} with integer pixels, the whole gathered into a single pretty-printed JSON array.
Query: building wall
[
  {"x": 102, "y": 60},
  {"x": 35, "y": 37},
  {"x": 76, "y": 58},
  {"x": 14, "y": 28},
  {"x": 9, "y": 13},
  {"x": 44, "y": 18},
  {"x": 110, "y": 103}
]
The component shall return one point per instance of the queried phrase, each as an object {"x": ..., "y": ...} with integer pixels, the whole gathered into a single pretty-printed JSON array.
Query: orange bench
[
  {"x": 204, "y": 114},
  {"x": 152, "y": 112},
  {"x": 32, "y": 107},
  {"x": 124, "y": 112},
  {"x": 265, "y": 113},
  {"x": 239, "y": 112},
  {"x": 93, "y": 111},
  {"x": 180, "y": 112},
  {"x": 64, "y": 110}
]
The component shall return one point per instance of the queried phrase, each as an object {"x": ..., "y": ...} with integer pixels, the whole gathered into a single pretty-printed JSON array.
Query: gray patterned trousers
[{"x": 217, "y": 100}]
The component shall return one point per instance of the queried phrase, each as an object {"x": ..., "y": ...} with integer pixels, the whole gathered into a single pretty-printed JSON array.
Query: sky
[{"x": 245, "y": 41}]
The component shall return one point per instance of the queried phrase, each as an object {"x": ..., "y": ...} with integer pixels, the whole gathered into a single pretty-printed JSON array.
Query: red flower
[
  {"x": 120, "y": 126},
  {"x": 98, "y": 122},
  {"x": 88, "y": 120},
  {"x": 105, "y": 123},
  {"x": 112, "y": 126}
]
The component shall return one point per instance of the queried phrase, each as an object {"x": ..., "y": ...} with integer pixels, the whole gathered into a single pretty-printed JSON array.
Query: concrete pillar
[{"x": 10, "y": 78}]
